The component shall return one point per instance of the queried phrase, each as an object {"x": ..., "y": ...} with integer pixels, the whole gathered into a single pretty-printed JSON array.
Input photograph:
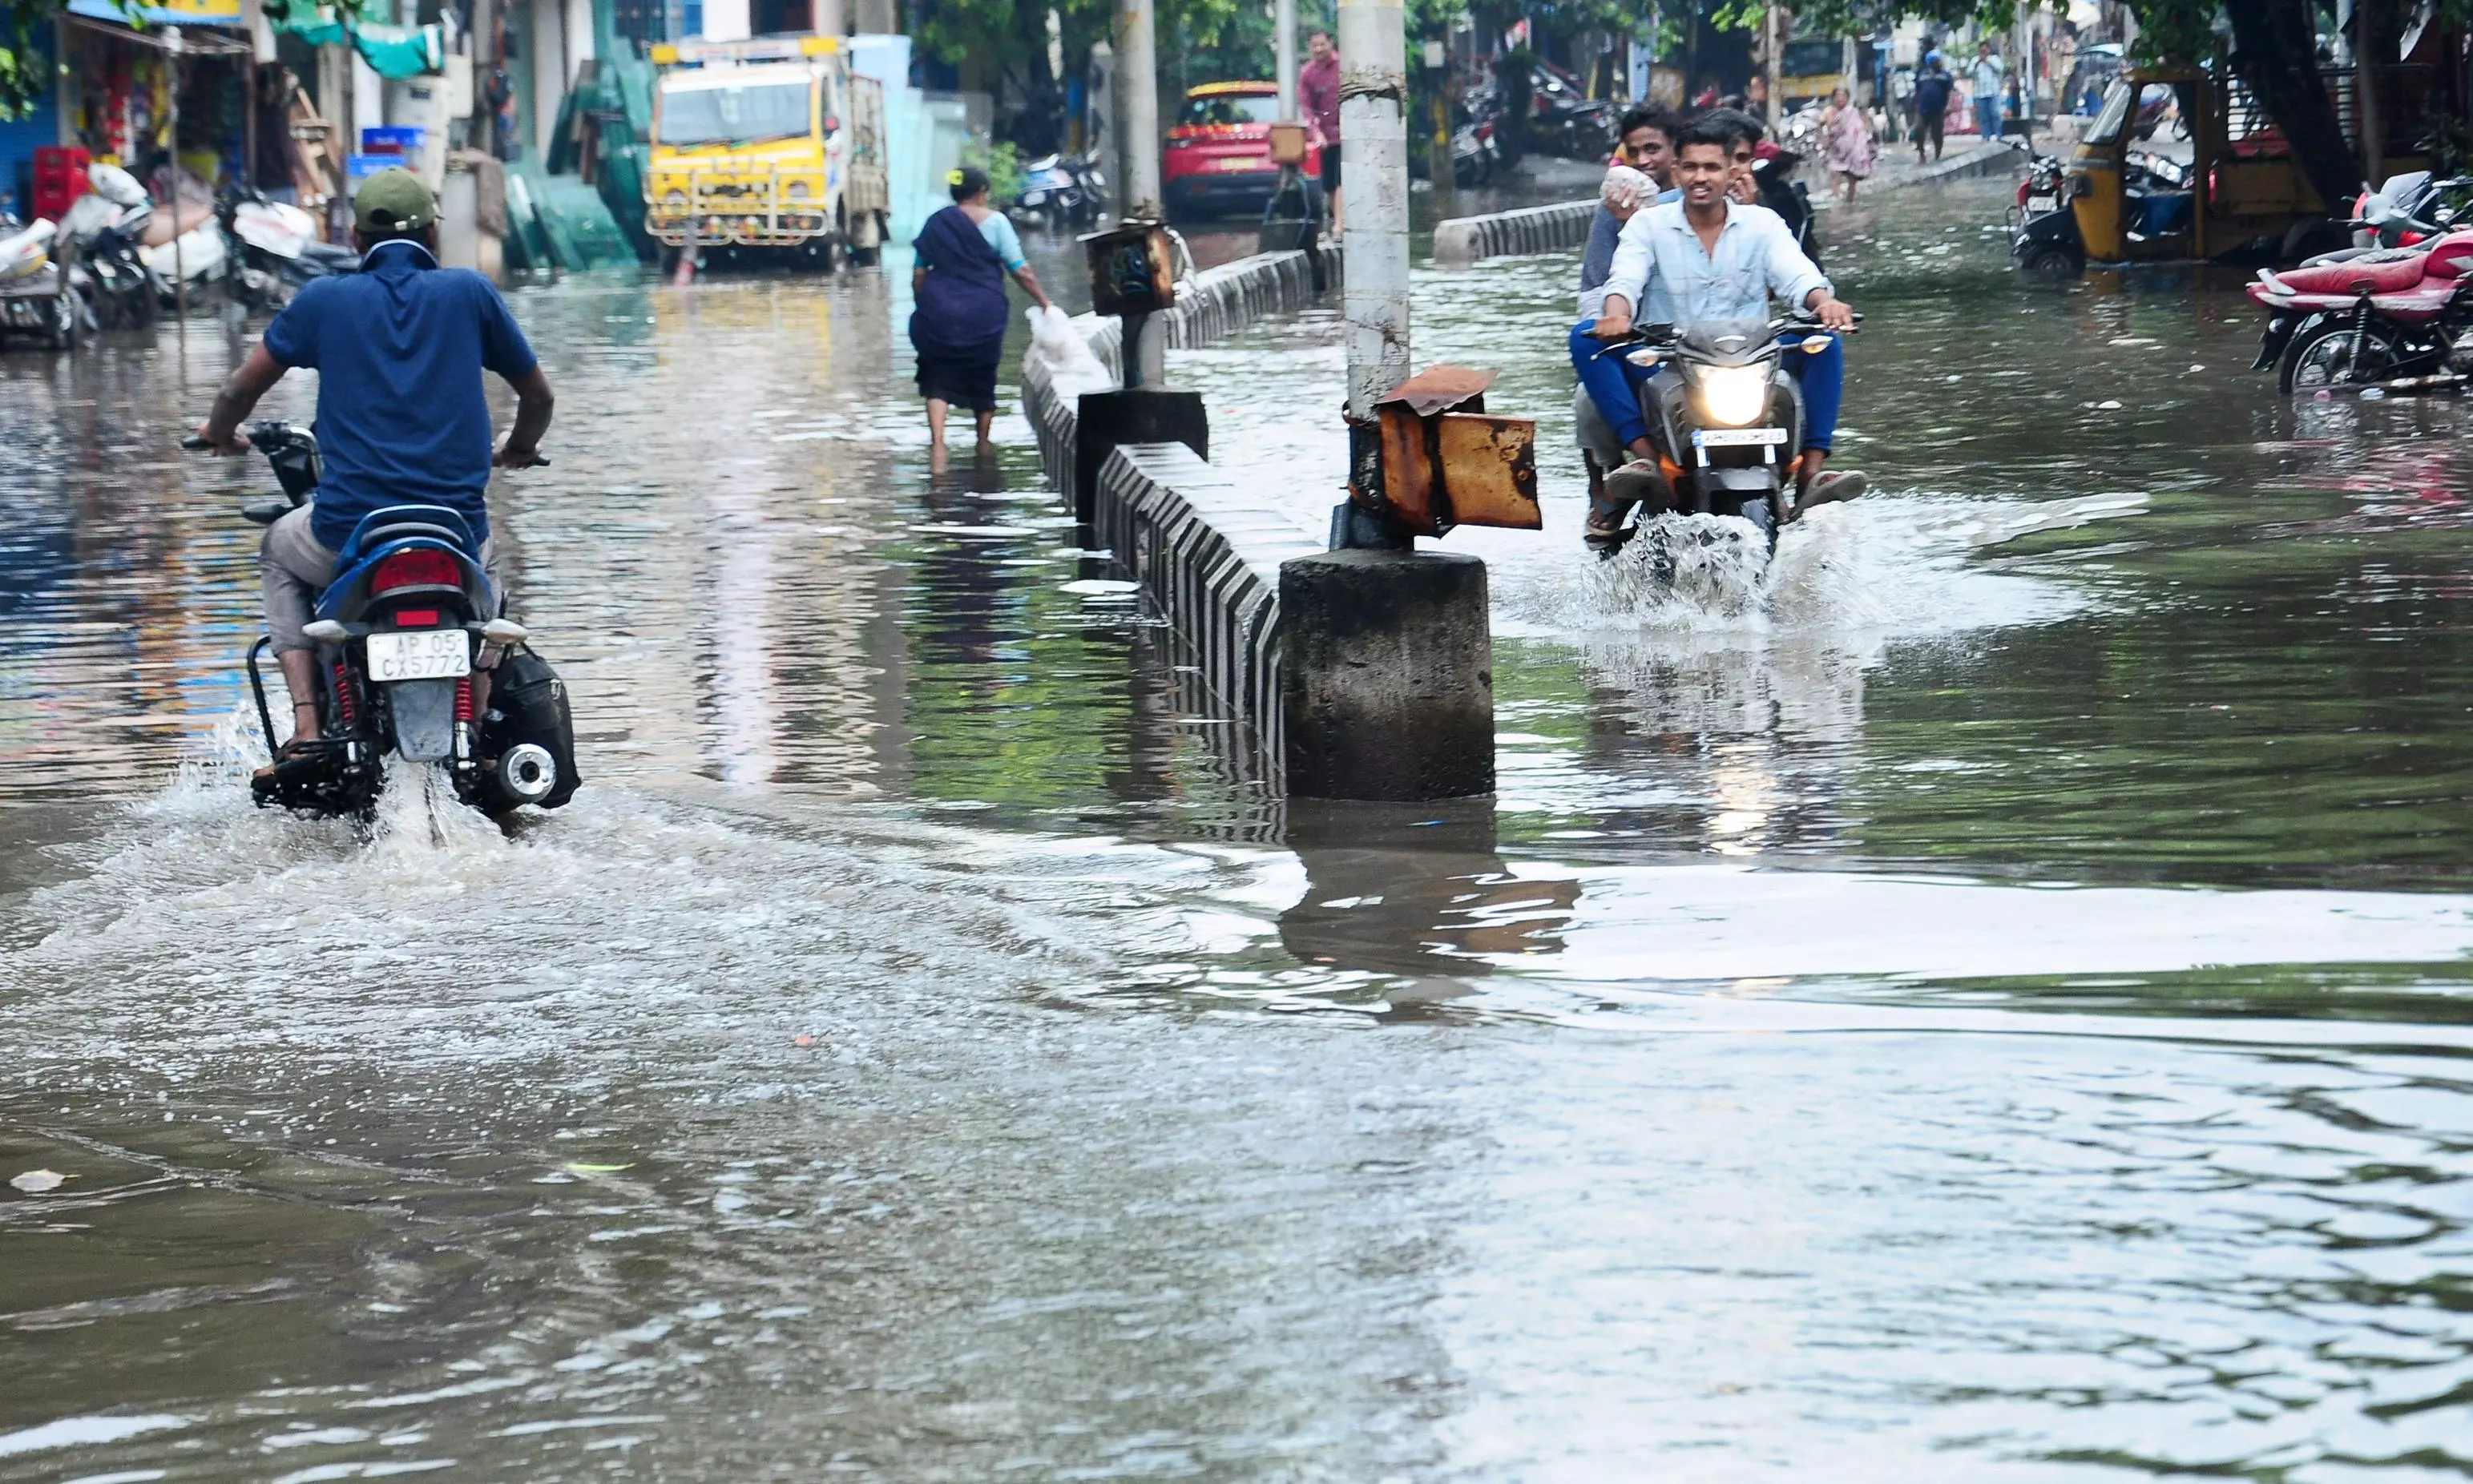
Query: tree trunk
[{"x": 2275, "y": 51}]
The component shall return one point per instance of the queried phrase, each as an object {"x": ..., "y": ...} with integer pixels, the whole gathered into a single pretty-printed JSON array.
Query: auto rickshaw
[{"x": 2235, "y": 195}]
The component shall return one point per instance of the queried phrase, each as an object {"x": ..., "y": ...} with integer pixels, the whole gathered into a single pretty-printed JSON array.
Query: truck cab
[{"x": 771, "y": 145}]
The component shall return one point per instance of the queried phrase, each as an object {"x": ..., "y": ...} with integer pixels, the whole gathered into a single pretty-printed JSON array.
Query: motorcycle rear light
[
  {"x": 416, "y": 618},
  {"x": 416, "y": 570}
]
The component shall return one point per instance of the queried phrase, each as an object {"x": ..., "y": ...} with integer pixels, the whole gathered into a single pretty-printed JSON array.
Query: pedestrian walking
[
  {"x": 958, "y": 327},
  {"x": 1934, "y": 88},
  {"x": 1989, "y": 76},
  {"x": 1318, "y": 91},
  {"x": 1846, "y": 142}
]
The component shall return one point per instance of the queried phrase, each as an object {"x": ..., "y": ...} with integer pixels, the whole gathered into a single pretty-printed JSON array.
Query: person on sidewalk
[
  {"x": 1701, "y": 259},
  {"x": 398, "y": 347},
  {"x": 1934, "y": 87},
  {"x": 1318, "y": 95},
  {"x": 1846, "y": 141},
  {"x": 1990, "y": 74},
  {"x": 958, "y": 327}
]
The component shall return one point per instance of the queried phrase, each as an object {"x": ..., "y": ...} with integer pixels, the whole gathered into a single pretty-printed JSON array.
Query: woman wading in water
[{"x": 958, "y": 327}]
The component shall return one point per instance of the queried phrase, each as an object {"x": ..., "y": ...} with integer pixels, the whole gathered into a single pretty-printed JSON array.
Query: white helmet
[{"x": 116, "y": 185}]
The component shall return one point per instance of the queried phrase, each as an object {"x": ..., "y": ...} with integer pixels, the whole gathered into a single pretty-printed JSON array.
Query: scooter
[
  {"x": 1063, "y": 190},
  {"x": 280, "y": 250},
  {"x": 1473, "y": 153},
  {"x": 105, "y": 230},
  {"x": 1723, "y": 420},
  {"x": 35, "y": 295},
  {"x": 408, "y": 620},
  {"x": 200, "y": 257}
]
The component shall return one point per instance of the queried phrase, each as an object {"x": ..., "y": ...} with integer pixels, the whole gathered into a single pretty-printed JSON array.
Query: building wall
[{"x": 19, "y": 139}]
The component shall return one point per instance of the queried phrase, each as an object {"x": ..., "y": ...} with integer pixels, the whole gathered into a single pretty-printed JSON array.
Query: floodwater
[{"x": 1984, "y": 1000}]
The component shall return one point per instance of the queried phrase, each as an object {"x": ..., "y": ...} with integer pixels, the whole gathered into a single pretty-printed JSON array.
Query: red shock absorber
[
  {"x": 344, "y": 695},
  {"x": 464, "y": 699}
]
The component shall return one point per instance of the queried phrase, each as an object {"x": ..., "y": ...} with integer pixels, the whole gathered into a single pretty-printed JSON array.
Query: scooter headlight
[{"x": 1733, "y": 396}]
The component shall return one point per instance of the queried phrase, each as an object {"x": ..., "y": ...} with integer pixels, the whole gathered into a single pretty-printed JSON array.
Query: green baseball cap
[{"x": 393, "y": 201}]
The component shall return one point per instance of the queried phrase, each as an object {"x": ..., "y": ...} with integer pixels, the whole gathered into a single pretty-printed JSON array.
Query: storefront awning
[
  {"x": 194, "y": 40},
  {"x": 170, "y": 12}
]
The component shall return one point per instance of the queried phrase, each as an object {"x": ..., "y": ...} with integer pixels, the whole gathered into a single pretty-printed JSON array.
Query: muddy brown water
[{"x": 1982, "y": 999}]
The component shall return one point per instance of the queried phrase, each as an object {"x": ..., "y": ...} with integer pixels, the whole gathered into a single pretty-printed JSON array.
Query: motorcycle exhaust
[{"x": 528, "y": 772}]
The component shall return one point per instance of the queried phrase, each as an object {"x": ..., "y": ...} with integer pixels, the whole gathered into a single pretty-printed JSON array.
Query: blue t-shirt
[{"x": 400, "y": 348}]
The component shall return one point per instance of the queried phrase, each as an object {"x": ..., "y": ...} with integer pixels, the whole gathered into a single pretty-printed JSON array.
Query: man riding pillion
[
  {"x": 399, "y": 349},
  {"x": 1706, "y": 258}
]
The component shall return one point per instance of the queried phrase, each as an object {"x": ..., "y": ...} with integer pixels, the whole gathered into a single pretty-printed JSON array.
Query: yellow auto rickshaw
[{"x": 2241, "y": 186}]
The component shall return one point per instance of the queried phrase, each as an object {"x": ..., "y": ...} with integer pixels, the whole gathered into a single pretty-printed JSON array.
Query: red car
[{"x": 1218, "y": 155}]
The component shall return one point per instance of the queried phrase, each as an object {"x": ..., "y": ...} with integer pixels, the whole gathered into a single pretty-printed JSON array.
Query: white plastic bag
[{"x": 1060, "y": 350}]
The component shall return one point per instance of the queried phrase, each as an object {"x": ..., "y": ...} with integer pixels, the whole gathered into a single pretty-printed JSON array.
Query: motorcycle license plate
[
  {"x": 420, "y": 654},
  {"x": 2043, "y": 203},
  {"x": 1736, "y": 438}
]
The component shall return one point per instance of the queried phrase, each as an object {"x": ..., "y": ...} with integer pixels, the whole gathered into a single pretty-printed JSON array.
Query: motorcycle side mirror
[{"x": 324, "y": 631}]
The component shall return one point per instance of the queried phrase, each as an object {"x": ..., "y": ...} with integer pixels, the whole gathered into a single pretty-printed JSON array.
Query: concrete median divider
[
  {"x": 1462, "y": 239},
  {"x": 1206, "y": 554}
]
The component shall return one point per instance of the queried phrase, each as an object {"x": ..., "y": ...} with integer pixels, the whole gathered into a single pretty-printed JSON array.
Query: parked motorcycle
[
  {"x": 409, "y": 618},
  {"x": 105, "y": 230},
  {"x": 1564, "y": 120},
  {"x": 35, "y": 295},
  {"x": 1473, "y": 153},
  {"x": 277, "y": 250},
  {"x": 2395, "y": 318},
  {"x": 1063, "y": 191},
  {"x": 200, "y": 256},
  {"x": 1727, "y": 416}
]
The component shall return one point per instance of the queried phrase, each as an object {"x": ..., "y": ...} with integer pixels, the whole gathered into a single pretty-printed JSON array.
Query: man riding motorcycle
[
  {"x": 1705, "y": 258},
  {"x": 399, "y": 349}
]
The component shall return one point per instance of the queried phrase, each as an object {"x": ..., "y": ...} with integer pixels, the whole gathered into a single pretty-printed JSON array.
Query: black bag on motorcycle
[{"x": 528, "y": 704}]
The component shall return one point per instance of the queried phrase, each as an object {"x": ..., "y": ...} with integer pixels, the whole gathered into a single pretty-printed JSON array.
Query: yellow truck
[{"x": 771, "y": 144}]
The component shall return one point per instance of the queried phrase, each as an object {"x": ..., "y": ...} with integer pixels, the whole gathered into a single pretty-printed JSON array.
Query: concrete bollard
[
  {"x": 1386, "y": 676},
  {"x": 1135, "y": 414}
]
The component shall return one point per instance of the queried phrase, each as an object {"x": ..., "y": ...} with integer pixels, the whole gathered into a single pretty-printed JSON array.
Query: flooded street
[{"x": 1985, "y": 1000}]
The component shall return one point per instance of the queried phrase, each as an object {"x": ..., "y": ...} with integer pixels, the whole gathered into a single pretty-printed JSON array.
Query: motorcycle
[
  {"x": 1064, "y": 191},
  {"x": 35, "y": 295},
  {"x": 1564, "y": 120},
  {"x": 279, "y": 250},
  {"x": 105, "y": 230},
  {"x": 2397, "y": 319},
  {"x": 1474, "y": 154},
  {"x": 1719, "y": 422},
  {"x": 409, "y": 618}
]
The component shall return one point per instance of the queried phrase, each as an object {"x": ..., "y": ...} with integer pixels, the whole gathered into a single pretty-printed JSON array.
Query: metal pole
[
  {"x": 1374, "y": 162},
  {"x": 1137, "y": 138},
  {"x": 1283, "y": 54},
  {"x": 180, "y": 268}
]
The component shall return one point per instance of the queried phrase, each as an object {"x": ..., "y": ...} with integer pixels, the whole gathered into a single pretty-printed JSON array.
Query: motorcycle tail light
[
  {"x": 2408, "y": 239},
  {"x": 416, "y": 618},
  {"x": 416, "y": 570}
]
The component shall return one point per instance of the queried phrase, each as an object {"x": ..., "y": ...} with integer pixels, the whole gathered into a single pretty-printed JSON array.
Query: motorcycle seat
[
  {"x": 2369, "y": 274},
  {"x": 397, "y": 522}
]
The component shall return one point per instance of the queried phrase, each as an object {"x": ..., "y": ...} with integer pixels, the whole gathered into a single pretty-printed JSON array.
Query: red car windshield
[{"x": 1232, "y": 108}]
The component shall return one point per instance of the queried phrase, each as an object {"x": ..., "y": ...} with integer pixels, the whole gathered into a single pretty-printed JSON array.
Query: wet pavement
[{"x": 1982, "y": 999}]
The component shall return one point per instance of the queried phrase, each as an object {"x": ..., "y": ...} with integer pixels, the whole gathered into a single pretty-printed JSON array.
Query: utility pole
[
  {"x": 1373, "y": 165},
  {"x": 1283, "y": 54},
  {"x": 1138, "y": 137},
  {"x": 1774, "y": 67}
]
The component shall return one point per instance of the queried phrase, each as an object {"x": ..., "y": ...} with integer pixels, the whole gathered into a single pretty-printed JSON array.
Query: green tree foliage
[{"x": 24, "y": 71}]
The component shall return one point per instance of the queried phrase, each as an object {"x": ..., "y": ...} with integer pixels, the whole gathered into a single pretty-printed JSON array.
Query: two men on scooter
[
  {"x": 400, "y": 348},
  {"x": 1705, "y": 257}
]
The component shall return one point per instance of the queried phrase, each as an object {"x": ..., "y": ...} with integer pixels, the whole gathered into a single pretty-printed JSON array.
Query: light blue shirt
[
  {"x": 998, "y": 231},
  {"x": 1663, "y": 273}
]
